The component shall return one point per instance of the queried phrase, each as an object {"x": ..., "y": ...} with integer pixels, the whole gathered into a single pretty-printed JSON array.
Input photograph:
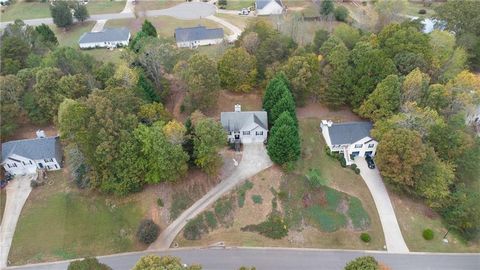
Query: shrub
[
  {"x": 315, "y": 178},
  {"x": 343, "y": 162},
  {"x": 195, "y": 228},
  {"x": 160, "y": 202},
  {"x": 35, "y": 184},
  {"x": 422, "y": 11},
  {"x": 353, "y": 166},
  {"x": 341, "y": 13},
  {"x": 211, "y": 219},
  {"x": 427, "y": 234},
  {"x": 257, "y": 199},
  {"x": 363, "y": 263},
  {"x": 365, "y": 237},
  {"x": 242, "y": 191},
  {"x": 88, "y": 264},
  {"x": 274, "y": 227},
  {"x": 282, "y": 195},
  {"x": 357, "y": 170},
  {"x": 148, "y": 231},
  {"x": 223, "y": 208}
]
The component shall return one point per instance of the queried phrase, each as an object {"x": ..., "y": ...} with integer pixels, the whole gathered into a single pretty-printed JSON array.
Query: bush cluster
[
  {"x": 422, "y": 11},
  {"x": 355, "y": 168},
  {"x": 241, "y": 192},
  {"x": 257, "y": 199},
  {"x": 148, "y": 231},
  {"x": 427, "y": 234},
  {"x": 195, "y": 228},
  {"x": 274, "y": 227},
  {"x": 160, "y": 202},
  {"x": 365, "y": 237},
  {"x": 337, "y": 156}
]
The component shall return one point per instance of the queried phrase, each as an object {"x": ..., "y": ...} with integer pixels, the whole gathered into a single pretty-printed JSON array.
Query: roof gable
[
  {"x": 38, "y": 148},
  {"x": 348, "y": 133},
  {"x": 106, "y": 35},
  {"x": 263, "y": 3},
  {"x": 237, "y": 121}
]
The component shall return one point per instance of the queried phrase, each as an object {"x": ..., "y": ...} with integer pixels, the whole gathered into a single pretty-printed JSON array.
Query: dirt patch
[
  {"x": 227, "y": 100},
  {"x": 318, "y": 110},
  {"x": 27, "y": 131}
]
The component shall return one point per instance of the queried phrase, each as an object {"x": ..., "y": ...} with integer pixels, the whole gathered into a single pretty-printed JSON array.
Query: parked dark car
[{"x": 370, "y": 162}]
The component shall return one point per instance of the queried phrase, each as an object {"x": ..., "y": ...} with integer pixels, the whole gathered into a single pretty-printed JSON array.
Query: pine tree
[
  {"x": 149, "y": 29},
  {"x": 274, "y": 92},
  {"x": 285, "y": 119},
  {"x": 285, "y": 104},
  {"x": 284, "y": 145}
]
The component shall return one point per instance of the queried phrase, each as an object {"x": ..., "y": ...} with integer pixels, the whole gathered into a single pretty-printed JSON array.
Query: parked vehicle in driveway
[
  {"x": 370, "y": 162},
  {"x": 244, "y": 11}
]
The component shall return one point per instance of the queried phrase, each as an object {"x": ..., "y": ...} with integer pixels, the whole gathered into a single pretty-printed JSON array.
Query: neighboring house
[
  {"x": 193, "y": 37},
  {"x": 26, "y": 156},
  {"x": 268, "y": 7},
  {"x": 245, "y": 127},
  {"x": 107, "y": 38},
  {"x": 352, "y": 139}
]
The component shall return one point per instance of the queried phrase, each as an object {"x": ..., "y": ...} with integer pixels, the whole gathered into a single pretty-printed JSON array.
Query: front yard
[{"x": 330, "y": 216}]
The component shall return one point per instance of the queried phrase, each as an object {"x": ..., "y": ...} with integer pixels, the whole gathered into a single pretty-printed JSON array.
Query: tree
[
  {"x": 285, "y": 104},
  {"x": 363, "y": 263},
  {"x": 463, "y": 92},
  {"x": 285, "y": 119},
  {"x": 80, "y": 12},
  {"x": 125, "y": 76},
  {"x": 14, "y": 52},
  {"x": 237, "y": 70},
  {"x": 45, "y": 92},
  {"x": 370, "y": 67},
  {"x": 175, "y": 132},
  {"x": 389, "y": 11},
  {"x": 74, "y": 86},
  {"x": 251, "y": 42},
  {"x": 284, "y": 146},
  {"x": 153, "y": 112},
  {"x": 349, "y": 35},
  {"x": 303, "y": 73},
  {"x": 337, "y": 73},
  {"x": 61, "y": 14},
  {"x": 341, "y": 13},
  {"x": 146, "y": 89},
  {"x": 276, "y": 87},
  {"x": 461, "y": 16},
  {"x": 320, "y": 37},
  {"x": 46, "y": 34},
  {"x": 11, "y": 89},
  {"x": 209, "y": 137},
  {"x": 384, "y": 101},
  {"x": 415, "y": 86},
  {"x": 436, "y": 97},
  {"x": 150, "y": 262},
  {"x": 408, "y": 61},
  {"x": 463, "y": 211},
  {"x": 149, "y": 29},
  {"x": 326, "y": 7},
  {"x": 202, "y": 80},
  {"x": 147, "y": 231},
  {"x": 134, "y": 44},
  {"x": 162, "y": 160},
  {"x": 88, "y": 264},
  {"x": 71, "y": 61},
  {"x": 399, "y": 152}
]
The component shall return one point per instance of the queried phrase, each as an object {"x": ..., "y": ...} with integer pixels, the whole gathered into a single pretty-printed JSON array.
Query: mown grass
[
  {"x": 239, "y": 4},
  {"x": 59, "y": 222},
  {"x": 71, "y": 36}
]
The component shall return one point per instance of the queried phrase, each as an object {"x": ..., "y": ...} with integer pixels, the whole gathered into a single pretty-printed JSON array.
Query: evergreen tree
[
  {"x": 285, "y": 104},
  {"x": 327, "y": 7},
  {"x": 149, "y": 29},
  {"x": 274, "y": 92},
  {"x": 285, "y": 119},
  {"x": 284, "y": 145},
  {"x": 384, "y": 101},
  {"x": 46, "y": 35}
]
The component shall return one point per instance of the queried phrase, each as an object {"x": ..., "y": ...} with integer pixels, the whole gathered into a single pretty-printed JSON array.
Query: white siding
[
  {"x": 196, "y": 43},
  {"x": 18, "y": 165},
  {"x": 255, "y": 135},
  {"x": 114, "y": 44}
]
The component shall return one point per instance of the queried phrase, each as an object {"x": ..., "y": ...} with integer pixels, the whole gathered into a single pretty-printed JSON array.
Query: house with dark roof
[
  {"x": 193, "y": 37},
  {"x": 245, "y": 127},
  {"x": 268, "y": 7},
  {"x": 351, "y": 138},
  {"x": 26, "y": 156},
  {"x": 107, "y": 38}
]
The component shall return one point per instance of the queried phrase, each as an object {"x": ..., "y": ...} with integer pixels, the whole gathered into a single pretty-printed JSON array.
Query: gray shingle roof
[
  {"x": 236, "y": 121},
  {"x": 38, "y": 148},
  {"x": 197, "y": 33},
  {"x": 262, "y": 3},
  {"x": 106, "y": 35},
  {"x": 348, "y": 133}
]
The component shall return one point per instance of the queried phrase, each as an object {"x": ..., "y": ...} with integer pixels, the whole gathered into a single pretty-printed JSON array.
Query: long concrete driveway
[
  {"x": 391, "y": 230},
  {"x": 254, "y": 160},
  {"x": 17, "y": 193}
]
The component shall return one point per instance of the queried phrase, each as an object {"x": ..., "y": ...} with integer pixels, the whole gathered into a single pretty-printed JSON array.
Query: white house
[
  {"x": 26, "y": 156},
  {"x": 193, "y": 37},
  {"x": 268, "y": 7},
  {"x": 107, "y": 38},
  {"x": 245, "y": 127},
  {"x": 352, "y": 138}
]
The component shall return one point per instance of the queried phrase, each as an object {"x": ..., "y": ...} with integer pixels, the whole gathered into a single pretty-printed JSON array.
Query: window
[
  {"x": 48, "y": 160},
  {"x": 31, "y": 162},
  {"x": 8, "y": 165},
  {"x": 258, "y": 133},
  {"x": 246, "y": 133},
  {"x": 371, "y": 145},
  {"x": 14, "y": 165},
  {"x": 229, "y": 133},
  {"x": 358, "y": 145}
]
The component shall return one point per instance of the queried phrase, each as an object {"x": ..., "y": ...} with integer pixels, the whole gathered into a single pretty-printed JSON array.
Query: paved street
[
  {"x": 254, "y": 160},
  {"x": 17, "y": 193},
  {"x": 391, "y": 230},
  {"x": 283, "y": 259}
]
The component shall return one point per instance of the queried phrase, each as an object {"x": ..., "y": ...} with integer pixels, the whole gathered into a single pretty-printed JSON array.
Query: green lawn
[
  {"x": 412, "y": 9},
  {"x": 34, "y": 10},
  {"x": 59, "y": 222},
  {"x": 239, "y": 4},
  {"x": 145, "y": 5},
  {"x": 106, "y": 55},
  {"x": 72, "y": 35}
]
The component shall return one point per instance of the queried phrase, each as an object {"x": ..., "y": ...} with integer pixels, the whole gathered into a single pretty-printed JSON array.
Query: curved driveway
[
  {"x": 254, "y": 160},
  {"x": 391, "y": 230}
]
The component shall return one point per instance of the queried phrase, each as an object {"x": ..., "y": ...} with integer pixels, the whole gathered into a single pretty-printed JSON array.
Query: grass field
[
  {"x": 412, "y": 9},
  {"x": 145, "y": 5},
  {"x": 239, "y": 4},
  {"x": 59, "y": 222},
  {"x": 165, "y": 25},
  {"x": 106, "y": 55},
  {"x": 71, "y": 37},
  {"x": 34, "y": 10},
  {"x": 414, "y": 217}
]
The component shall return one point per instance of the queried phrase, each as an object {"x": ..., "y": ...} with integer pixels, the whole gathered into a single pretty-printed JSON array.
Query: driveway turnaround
[
  {"x": 254, "y": 160},
  {"x": 391, "y": 230},
  {"x": 17, "y": 193},
  {"x": 284, "y": 258}
]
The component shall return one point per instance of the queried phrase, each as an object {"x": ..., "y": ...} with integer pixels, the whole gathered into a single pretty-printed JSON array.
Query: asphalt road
[{"x": 291, "y": 259}]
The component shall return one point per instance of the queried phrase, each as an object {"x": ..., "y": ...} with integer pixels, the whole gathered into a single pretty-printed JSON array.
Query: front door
[{"x": 368, "y": 153}]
